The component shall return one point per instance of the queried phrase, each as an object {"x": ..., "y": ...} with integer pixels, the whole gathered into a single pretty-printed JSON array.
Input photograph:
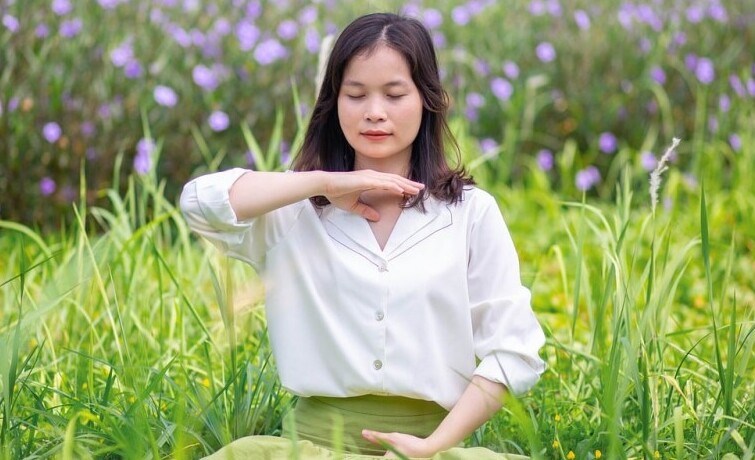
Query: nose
[{"x": 374, "y": 111}]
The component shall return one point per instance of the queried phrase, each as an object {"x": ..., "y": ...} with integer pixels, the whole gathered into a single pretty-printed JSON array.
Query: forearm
[
  {"x": 481, "y": 399},
  {"x": 256, "y": 193}
]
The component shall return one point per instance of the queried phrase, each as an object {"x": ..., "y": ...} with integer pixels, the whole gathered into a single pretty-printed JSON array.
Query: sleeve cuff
[
  {"x": 213, "y": 202},
  {"x": 518, "y": 373}
]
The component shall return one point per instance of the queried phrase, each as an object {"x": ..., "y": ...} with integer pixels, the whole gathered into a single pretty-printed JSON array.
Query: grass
[{"x": 143, "y": 341}]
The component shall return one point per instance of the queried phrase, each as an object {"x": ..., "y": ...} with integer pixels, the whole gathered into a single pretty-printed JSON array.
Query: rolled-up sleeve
[
  {"x": 507, "y": 335},
  {"x": 207, "y": 209}
]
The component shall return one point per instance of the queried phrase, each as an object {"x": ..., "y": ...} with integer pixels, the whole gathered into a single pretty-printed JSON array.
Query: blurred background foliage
[{"x": 101, "y": 89}]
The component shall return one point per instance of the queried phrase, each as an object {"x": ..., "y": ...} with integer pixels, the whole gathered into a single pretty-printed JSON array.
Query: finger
[{"x": 365, "y": 211}]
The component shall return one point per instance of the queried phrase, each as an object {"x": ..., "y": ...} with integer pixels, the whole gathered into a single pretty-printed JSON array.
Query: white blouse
[{"x": 346, "y": 318}]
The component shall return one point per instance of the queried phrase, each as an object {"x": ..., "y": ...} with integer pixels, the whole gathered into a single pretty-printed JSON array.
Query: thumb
[
  {"x": 374, "y": 436},
  {"x": 365, "y": 211}
]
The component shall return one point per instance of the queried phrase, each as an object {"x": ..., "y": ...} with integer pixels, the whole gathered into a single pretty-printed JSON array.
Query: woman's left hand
[{"x": 408, "y": 445}]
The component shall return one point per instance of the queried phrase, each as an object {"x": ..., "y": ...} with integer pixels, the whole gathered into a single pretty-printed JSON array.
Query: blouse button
[
  {"x": 379, "y": 316},
  {"x": 377, "y": 364},
  {"x": 383, "y": 267}
]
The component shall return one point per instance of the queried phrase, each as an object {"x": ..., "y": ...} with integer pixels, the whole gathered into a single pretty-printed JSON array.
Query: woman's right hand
[{"x": 343, "y": 189}]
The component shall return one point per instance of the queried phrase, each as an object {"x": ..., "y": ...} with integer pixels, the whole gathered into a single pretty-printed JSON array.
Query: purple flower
[
  {"x": 308, "y": 15},
  {"x": 269, "y": 51},
  {"x": 501, "y": 88},
  {"x": 584, "y": 180},
  {"x": 312, "y": 40},
  {"x": 190, "y": 6},
  {"x": 218, "y": 121},
  {"x": 285, "y": 152},
  {"x": 582, "y": 19},
  {"x": 91, "y": 153},
  {"x": 108, "y": 4},
  {"x": 51, "y": 132},
  {"x": 122, "y": 54},
  {"x": 724, "y": 103},
  {"x": 545, "y": 159},
  {"x": 247, "y": 35},
  {"x": 658, "y": 75},
  {"x": 717, "y": 12},
  {"x": 736, "y": 85},
  {"x": 510, "y": 69},
  {"x": 712, "y": 124},
  {"x": 11, "y": 23},
  {"x": 488, "y": 146},
  {"x": 179, "y": 35},
  {"x": 695, "y": 14},
  {"x": 288, "y": 29},
  {"x": 145, "y": 146},
  {"x": 432, "y": 18},
  {"x": 61, "y": 7},
  {"x": 198, "y": 38},
  {"x": 736, "y": 142},
  {"x": 554, "y": 8},
  {"x": 460, "y": 15},
  {"x": 42, "y": 31},
  {"x": 439, "y": 40},
  {"x": 537, "y": 8},
  {"x": 253, "y": 10},
  {"x": 475, "y": 100},
  {"x": 87, "y": 129},
  {"x": 471, "y": 114},
  {"x": 133, "y": 69},
  {"x": 680, "y": 38},
  {"x": 751, "y": 87},
  {"x": 143, "y": 158},
  {"x": 70, "y": 28},
  {"x": 690, "y": 61},
  {"x": 204, "y": 77},
  {"x": 626, "y": 16},
  {"x": 47, "y": 186},
  {"x": 545, "y": 52},
  {"x": 704, "y": 71},
  {"x": 165, "y": 96},
  {"x": 222, "y": 27},
  {"x": 607, "y": 142},
  {"x": 13, "y": 104},
  {"x": 646, "y": 14},
  {"x": 645, "y": 45},
  {"x": 481, "y": 67},
  {"x": 648, "y": 161},
  {"x": 142, "y": 163}
]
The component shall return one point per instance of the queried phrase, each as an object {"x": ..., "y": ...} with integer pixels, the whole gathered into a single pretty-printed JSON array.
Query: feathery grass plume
[{"x": 655, "y": 176}]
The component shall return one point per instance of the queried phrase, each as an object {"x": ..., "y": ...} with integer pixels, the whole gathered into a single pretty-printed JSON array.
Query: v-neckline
[{"x": 390, "y": 232}]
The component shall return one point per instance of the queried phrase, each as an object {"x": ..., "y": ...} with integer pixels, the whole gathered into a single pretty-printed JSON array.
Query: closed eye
[
  {"x": 396, "y": 96},
  {"x": 355, "y": 96}
]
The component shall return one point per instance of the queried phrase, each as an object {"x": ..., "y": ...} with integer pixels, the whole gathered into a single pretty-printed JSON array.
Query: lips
[{"x": 375, "y": 135}]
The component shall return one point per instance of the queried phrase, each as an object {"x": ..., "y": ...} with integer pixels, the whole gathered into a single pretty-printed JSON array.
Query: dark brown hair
[{"x": 325, "y": 146}]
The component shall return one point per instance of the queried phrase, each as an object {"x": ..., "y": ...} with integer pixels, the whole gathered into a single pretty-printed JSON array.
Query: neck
[{"x": 393, "y": 166}]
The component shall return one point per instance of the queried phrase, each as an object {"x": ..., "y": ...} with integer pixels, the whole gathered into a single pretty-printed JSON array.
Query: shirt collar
[{"x": 412, "y": 226}]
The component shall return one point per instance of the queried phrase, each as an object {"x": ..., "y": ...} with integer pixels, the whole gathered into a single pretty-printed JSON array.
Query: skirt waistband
[{"x": 394, "y": 406}]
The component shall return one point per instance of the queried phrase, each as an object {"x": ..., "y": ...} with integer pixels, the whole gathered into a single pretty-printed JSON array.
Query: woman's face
[{"x": 380, "y": 109}]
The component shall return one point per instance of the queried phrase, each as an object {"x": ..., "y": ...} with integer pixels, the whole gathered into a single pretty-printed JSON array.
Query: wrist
[
  {"x": 318, "y": 182},
  {"x": 435, "y": 443}
]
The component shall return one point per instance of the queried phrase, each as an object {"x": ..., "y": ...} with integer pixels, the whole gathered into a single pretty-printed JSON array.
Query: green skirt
[{"x": 330, "y": 428}]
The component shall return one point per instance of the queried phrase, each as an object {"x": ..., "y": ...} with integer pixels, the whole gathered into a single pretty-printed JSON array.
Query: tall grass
[{"x": 143, "y": 342}]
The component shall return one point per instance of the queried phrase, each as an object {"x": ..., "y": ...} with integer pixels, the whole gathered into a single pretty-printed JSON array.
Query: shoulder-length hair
[{"x": 325, "y": 146}]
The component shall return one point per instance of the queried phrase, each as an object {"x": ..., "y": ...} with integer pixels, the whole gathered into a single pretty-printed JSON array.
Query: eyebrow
[{"x": 390, "y": 84}]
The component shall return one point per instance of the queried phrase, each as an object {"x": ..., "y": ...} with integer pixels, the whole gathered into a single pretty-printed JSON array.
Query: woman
[{"x": 387, "y": 272}]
